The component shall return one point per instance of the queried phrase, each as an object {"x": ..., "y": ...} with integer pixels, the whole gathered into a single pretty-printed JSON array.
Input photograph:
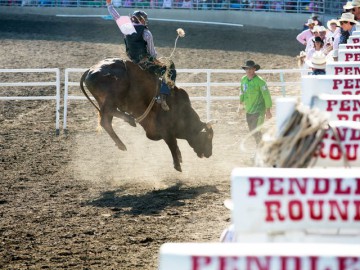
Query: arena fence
[
  {"x": 41, "y": 72},
  {"x": 210, "y": 79}
]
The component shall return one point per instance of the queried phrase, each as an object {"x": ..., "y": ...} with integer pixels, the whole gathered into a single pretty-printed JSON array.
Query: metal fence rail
[{"x": 55, "y": 83}]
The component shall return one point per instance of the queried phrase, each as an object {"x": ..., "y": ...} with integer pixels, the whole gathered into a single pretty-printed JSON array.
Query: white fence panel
[{"x": 55, "y": 83}]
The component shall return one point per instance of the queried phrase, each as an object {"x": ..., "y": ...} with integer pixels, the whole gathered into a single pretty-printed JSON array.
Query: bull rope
[
  {"x": 168, "y": 61},
  {"x": 298, "y": 141},
  {"x": 143, "y": 116}
]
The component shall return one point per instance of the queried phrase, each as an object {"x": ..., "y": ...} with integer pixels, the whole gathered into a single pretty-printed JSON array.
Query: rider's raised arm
[
  {"x": 150, "y": 43},
  {"x": 112, "y": 10}
]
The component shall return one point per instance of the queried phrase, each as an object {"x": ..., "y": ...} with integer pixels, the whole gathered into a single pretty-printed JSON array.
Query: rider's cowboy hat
[
  {"x": 251, "y": 64},
  {"x": 348, "y": 5}
]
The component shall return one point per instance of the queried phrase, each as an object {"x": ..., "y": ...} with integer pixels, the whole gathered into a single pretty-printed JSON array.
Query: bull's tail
[{"x": 83, "y": 89}]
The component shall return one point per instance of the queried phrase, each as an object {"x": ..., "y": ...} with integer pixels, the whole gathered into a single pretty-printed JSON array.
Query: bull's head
[{"x": 202, "y": 144}]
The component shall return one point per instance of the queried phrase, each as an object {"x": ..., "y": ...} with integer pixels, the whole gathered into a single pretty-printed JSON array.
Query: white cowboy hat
[
  {"x": 321, "y": 29},
  {"x": 332, "y": 21},
  {"x": 348, "y": 5},
  {"x": 316, "y": 29},
  {"x": 347, "y": 17},
  {"x": 310, "y": 21},
  {"x": 355, "y": 3},
  {"x": 318, "y": 61}
]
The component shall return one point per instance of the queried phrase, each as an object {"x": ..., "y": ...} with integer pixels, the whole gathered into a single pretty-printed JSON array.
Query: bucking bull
[{"x": 123, "y": 90}]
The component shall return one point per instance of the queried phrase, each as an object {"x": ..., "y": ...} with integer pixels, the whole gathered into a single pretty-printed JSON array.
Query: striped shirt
[{"x": 147, "y": 36}]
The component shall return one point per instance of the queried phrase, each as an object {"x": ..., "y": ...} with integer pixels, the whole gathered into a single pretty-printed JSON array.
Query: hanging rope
[{"x": 297, "y": 142}]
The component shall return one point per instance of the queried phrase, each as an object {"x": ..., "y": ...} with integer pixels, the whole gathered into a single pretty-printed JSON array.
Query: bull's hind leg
[{"x": 106, "y": 123}]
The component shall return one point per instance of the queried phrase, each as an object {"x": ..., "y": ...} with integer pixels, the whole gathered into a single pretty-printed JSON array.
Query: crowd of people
[
  {"x": 321, "y": 43},
  {"x": 296, "y": 6}
]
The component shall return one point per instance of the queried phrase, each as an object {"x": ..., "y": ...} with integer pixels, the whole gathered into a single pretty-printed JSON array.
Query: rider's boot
[{"x": 164, "y": 105}]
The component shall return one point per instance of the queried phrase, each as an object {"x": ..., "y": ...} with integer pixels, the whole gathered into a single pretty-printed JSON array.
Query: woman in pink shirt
[{"x": 305, "y": 36}]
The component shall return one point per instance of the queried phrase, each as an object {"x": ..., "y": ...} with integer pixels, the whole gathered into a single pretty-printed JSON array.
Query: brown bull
[{"x": 123, "y": 90}]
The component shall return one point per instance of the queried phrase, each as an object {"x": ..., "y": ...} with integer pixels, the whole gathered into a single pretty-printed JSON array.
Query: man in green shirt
[{"x": 255, "y": 95}]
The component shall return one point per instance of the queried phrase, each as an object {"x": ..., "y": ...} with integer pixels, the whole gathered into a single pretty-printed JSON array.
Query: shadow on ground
[{"x": 150, "y": 203}]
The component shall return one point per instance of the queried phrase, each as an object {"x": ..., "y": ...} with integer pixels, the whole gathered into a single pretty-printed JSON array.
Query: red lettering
[
  {"x": 357, "y": 56},
  {"x": 357, "y": 210},
  {"x": 355, "y": 135},
  {"x": 345, "y": 105},
  {"x": 356, "y": 117},
  {"x": 227, "y": 263},
  {"x": 338, "y": 70},
  {"x": 273, "y": 211},
  {"x": 348, "y": 84},
  {"x": 343, "y": 117},
  {"x": 301, "y": 185},
  {"x": 348, "y": 70},
  {"x": 295, "y": 261},
  {"x": 356, "y": 40},
  {"x": 351, "y": 151},
  {"x": 339, "y": 189},
  {"x": 295, "y": 210},
  {"x": 275, "y": 186},
  {"x": 348, "y": 56},
  {"x": 356, "y": 104},
  {"x": 346, "y": 263},
  {"x": 357, "y": 69},
  {"x": 336, "y": 84},
  {"x": 321, "y": 186},
  {"x": 335, "y": 152},
  {"x": 357, "y": 191},
  {"x": 330, "y": 104},
  {"x": 260, "y": 263},
  {"x": 320, "y": 211},
  {"x": 342, "y": 212},
  {"x": 198, "y": 262},
  {"x": 254, "y": 183}
]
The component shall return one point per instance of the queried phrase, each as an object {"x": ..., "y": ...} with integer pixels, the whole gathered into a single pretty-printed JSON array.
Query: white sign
[
  {"x": 349, "y": 46},
  {"x": 342, "y": 68},
  {"x": 332, "y": 154},
  {"x": 328, "y": 84},
  {"x": 353, "y": 40},
  {"x": 340, "y": 107},
  {"x": 352, "y": 55},
  {"x": 249, "y": 256},
  {"x": 355, "y": 33},
  {"x": 278, "y": 200}
]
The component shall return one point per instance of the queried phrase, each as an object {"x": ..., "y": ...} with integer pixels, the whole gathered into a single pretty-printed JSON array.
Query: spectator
[
  {"x": 356, "y": 9},
  {"x": 187, "y": 4},
  {"x": 348, "y": 7},
  {"x": 332, "y": 34},
  {"x": 167, "y": 4},
  {"x": 316, "y": 20},
  {"x": 346, "y": 23},
  {"x": 305, "y": 36},
  {"x": 256, "y": 97},
  {"x": 317, "y": 64},
  {"x": 318, "y": 47}
]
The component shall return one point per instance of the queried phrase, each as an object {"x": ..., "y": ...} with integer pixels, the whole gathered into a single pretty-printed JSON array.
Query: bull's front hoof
[{"x": 178, "y": 168}]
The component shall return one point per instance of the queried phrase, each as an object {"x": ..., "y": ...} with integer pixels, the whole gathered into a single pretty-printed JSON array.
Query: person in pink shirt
[{"x": 305, "y": 36}]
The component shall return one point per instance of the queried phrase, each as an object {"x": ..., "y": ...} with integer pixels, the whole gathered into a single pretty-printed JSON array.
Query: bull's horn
[{"x": 210, "y": 123}]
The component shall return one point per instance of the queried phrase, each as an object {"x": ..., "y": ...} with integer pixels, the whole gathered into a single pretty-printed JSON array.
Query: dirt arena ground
[{"x": 75, "y": 201}]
